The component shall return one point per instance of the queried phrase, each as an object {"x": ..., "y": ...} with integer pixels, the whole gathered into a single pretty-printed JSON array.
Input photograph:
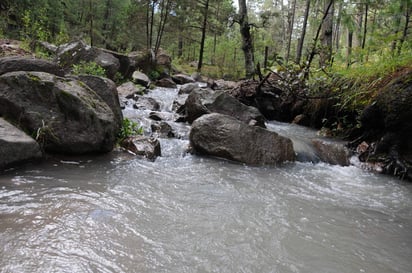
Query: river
[{"x": 185, "y": 213}]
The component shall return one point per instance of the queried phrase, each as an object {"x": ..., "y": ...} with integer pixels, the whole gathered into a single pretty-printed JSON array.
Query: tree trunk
[
  {"x": 215, "y": 36},
  {"x": 163, "y": 19},
  {"x": 150, "y": 38},
  {"x": 247, "y": 43},
  {"x": 91, "y": 21},
  {"x": 291, "y": 21},
  {"x": 203, "y": 39},
  {"x": 405, "y": 28},
  {"x": 349, "y": 51},
  {"x": 337, "y": 27},
  {"x": 365, "y": 26},
  {"x": 107, "y": 14},
  {"x": 180, "y": 45},
  {"x": 302, "y": 36},
  {"x": 327, "y": 35},
  {"x": 313, "y": 51}
]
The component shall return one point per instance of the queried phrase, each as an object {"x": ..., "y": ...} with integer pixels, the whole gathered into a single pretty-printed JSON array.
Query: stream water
[{"x": 184, "y": 213}]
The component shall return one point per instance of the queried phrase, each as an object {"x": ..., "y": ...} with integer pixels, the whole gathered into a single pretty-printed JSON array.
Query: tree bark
[
  {"x": 91, "y": 21},
  {"x": 247, "y": 43},
  {"x": 163, "y": 19},
  {"x": 107, "y": 14},
  {"x": 291, "y": 21},
  {"x": 349, "y": 51},
  {"x": 405, "y": 28},
  {"x": 327, "y": 35},
  {"x": 302, "y": 36},
  {"x": 337, "y": 32},
  {"x": 203, "y": 39},
  {"x": 365, "y": 26},
  {"x": 315, "y": 42}
]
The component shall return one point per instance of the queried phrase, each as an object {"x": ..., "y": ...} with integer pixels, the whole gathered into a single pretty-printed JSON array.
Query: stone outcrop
[
  {"x": 66, "y": 115},
  {"x": 17, "y": 63},
  {"x": 206, "y": 101},
  {"x": 16, "y": 146},
  {"x": 227, "y": 137}
]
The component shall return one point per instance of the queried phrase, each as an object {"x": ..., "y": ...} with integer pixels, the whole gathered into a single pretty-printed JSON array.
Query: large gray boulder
[
  {"x": 206, "y": 101},
  {"x": 107, "y": 90},
  {"x": 18, "y": 63},
  {"x": 67, "y": 115},
  {"x": 227, "y": 137},
  {"x": 16, "y": 146},
  {"x": 78, "y": 51}
]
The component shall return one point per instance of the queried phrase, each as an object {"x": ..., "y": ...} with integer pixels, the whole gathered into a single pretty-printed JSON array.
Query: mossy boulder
[{"x": 65, "y": 115}]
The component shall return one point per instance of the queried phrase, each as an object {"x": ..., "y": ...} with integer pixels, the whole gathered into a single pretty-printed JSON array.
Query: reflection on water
[{"x": 188, "y": 214}]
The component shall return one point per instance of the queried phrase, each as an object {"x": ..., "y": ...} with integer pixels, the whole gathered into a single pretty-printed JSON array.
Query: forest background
[{"x": 342, "y": 34}]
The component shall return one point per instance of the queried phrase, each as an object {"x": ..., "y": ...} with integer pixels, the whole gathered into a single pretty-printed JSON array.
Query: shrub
[
  {"x": 129, "y": 128},
  {"x": 89, "y": 68}
]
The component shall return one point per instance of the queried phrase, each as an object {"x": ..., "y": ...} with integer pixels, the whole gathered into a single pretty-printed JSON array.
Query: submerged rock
[
  {"x": 68, "y": 116},
  {"x": 144, "y": 146},
  {"x": 332, "y": 152},
  {"x": 162, "y": 129},
  {"x": 145, "y": 103},
  {"x": 227, "y": 137},
  {"x": 16, "y": 146}
]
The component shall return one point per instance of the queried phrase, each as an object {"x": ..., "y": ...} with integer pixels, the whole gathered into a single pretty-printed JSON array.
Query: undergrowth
[{"x": 129, "y": 128}]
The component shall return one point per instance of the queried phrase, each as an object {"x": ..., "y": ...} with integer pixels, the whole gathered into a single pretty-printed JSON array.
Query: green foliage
[
  {"x": 89, "y": 68},
  {"x": 35, "y": 27},
  {"x": 154, "y": 75},
  {"x": 129, "y": 128}
]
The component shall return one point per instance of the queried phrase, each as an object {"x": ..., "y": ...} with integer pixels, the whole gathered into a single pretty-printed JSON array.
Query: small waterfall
[{"x": 309, "y": 147}]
